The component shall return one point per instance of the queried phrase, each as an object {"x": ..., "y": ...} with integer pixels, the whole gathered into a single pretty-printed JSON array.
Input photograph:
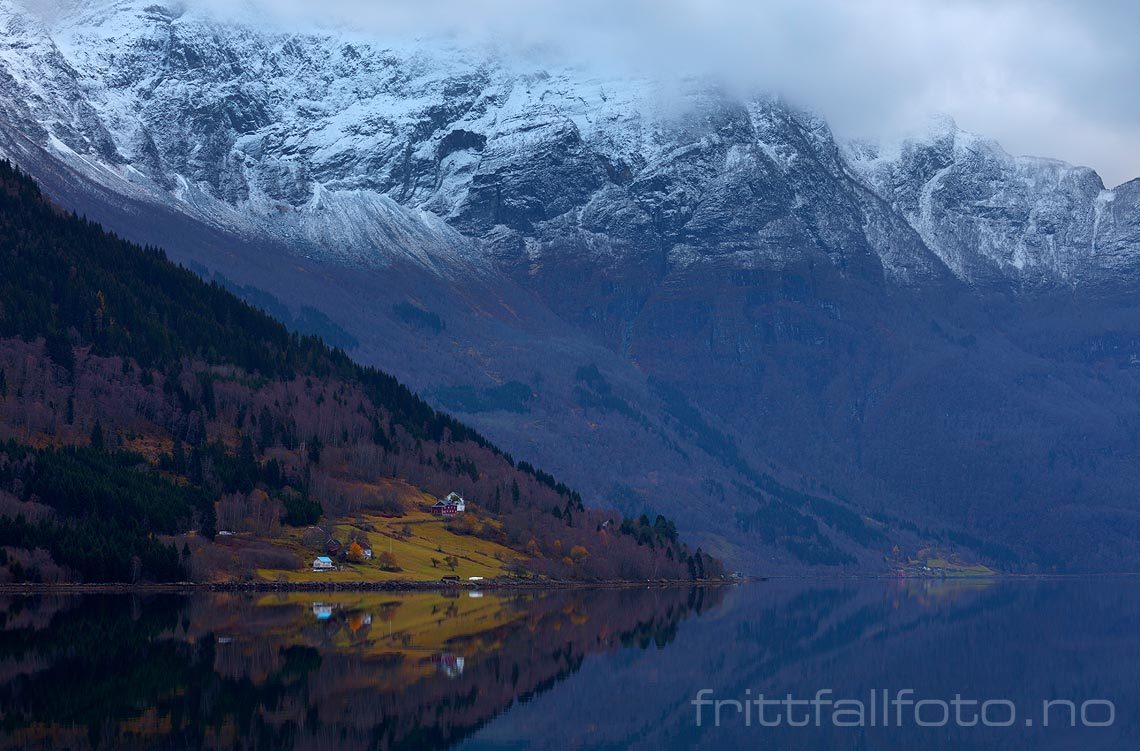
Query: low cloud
[{"x": 1044, "y": 77}]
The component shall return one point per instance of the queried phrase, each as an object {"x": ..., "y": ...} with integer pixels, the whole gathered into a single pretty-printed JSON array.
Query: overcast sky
[{"x": 1052, "y": 78}]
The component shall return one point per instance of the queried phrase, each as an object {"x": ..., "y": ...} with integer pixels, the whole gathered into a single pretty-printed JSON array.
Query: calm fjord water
[{"x": 581, "y": 669}]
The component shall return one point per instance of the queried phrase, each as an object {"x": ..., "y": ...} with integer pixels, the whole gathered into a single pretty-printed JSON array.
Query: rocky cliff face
[
  {"x": 758, "y": 299},
  {"x": 299, "y": 135},
  {"x": 990, "y": 216}
]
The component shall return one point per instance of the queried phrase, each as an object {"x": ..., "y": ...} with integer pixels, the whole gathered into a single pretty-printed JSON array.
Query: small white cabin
[{"x": 323, "y": 563}]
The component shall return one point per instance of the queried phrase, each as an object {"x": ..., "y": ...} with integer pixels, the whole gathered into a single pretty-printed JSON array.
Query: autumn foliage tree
[{"x": 388, "y": 561}]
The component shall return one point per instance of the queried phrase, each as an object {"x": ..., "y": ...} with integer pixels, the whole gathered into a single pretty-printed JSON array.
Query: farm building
[{"x": 450, "y": 506}]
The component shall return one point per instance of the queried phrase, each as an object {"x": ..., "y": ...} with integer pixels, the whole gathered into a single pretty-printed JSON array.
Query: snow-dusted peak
[
  {"x": 232, "y": 121},
  {"x": 984, "y": 212},
  {"x": 267, "y": 130}
]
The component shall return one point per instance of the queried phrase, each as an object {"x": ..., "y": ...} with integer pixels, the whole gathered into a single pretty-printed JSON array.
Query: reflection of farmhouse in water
[
  {"x": 449, "y": 664},
  {"x": 323, "y": 610},
  {"x": 435, "y": 666}
]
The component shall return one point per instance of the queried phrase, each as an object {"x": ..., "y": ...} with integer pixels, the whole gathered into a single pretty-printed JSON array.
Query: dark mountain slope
[
  {"x": 139, "y": 403},
  {"x": 1013, "y": 418}
]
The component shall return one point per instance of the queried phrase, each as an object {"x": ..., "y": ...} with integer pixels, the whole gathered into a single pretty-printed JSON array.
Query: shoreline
[
  {"x": 363, "y": 586},
  {"x": 926, "y": 577},
  {"x": 501, "y": 585}
]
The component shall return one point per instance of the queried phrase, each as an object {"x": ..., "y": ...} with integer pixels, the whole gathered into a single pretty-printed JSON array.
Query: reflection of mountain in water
[
  {"x": 383, "y": 671},
  {"x": 1025, "y": 641},
  {"x": 279, "y": 672}
]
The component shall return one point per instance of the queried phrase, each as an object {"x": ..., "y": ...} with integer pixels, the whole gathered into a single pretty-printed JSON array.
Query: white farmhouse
[{"x": 450, "y": 506}]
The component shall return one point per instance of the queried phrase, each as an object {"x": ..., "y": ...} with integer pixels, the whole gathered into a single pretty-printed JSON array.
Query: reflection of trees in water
[{"x": 211, "y": 671}]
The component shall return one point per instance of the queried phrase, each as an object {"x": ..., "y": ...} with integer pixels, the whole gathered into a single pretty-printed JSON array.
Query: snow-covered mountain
[
  {"x": 990, "y": 215},
  {"x": 698, "y": 298},
  {"x": 354, "y": 148}
]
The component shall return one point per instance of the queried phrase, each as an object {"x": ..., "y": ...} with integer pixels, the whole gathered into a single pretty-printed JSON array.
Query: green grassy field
[
  {"x": 421, "y": 555},
  {"x": 958, "y": 570}
]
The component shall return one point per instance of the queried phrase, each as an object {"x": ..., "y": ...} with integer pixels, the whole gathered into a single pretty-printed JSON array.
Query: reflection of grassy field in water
[
  {"x": 312, "y": 670},
  {"x": 417, "y": 620},
  {"x": 408, "y": 629}
]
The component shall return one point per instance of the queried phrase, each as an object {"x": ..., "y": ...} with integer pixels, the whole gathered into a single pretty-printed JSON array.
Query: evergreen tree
[
  {"x": 178, "y": 457},
  {"x": 265, "y": 429},
  {"x": 97, "y": 436}
]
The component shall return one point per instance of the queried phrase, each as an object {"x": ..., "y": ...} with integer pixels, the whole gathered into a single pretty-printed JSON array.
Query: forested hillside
[{"x": 143, "y": 410}]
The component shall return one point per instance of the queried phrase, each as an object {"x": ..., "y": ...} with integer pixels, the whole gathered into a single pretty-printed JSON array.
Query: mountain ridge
[{"x": 294, "y": 126}]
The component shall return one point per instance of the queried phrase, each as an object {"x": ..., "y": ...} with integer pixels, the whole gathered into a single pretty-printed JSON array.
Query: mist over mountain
[{"x": 678, "y": 297}]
